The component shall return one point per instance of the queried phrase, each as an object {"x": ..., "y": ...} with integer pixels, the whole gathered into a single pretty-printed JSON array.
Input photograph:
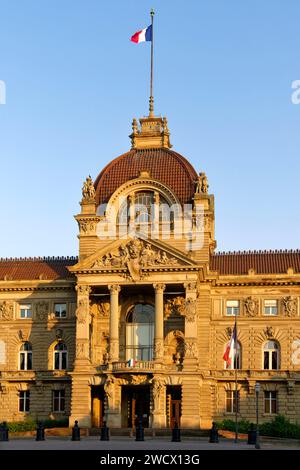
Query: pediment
[{"x": 135, "y": 255}]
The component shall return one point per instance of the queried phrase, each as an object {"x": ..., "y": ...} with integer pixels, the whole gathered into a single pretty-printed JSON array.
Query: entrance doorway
[
  {"x": 173, "y": 405},
  {"x": 135, "y": 405},
  {"x": 97, "y": 406}
]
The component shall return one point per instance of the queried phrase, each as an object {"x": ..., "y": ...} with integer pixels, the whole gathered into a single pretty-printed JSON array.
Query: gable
[{"x": 134, "y": 255}]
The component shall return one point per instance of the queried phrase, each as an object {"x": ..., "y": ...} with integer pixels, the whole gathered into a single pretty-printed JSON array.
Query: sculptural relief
[
  {"x": 135, "y": 256},
  {"x": 42, "y": 310},
  {"x": 6, "y": 310},
  {"x": 251, "y": 306},
  {"x": 289, "y": 306}
]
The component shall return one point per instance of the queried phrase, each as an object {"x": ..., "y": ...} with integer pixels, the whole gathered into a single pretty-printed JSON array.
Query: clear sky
[{"x": 74, "y": 81}]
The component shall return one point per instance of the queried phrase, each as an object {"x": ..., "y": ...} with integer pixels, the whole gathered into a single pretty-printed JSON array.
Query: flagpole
[
  {"x": 151, "y": 100},
  {"x": 235, "y": 363}
]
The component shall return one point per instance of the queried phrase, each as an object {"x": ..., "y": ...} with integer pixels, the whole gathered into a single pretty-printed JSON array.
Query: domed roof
[{"x": 163, "y": 164}]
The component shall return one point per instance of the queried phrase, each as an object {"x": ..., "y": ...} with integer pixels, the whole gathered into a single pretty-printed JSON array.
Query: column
[
  {"x": 83, "y": 320},
  {"x": 190, "y": 324},
  {"x": 159, "y": 322},
  {"x": 82, "y": 373},
  {"x": 114, "y": 323},
  {"x": 191, "y": 384}
]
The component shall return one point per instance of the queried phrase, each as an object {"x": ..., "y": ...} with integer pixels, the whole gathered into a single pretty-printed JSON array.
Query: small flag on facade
[
  {"x": 230, "y": 351},
  {"x": 143, "y": 35},
  {"x": 131, "y": 362}
]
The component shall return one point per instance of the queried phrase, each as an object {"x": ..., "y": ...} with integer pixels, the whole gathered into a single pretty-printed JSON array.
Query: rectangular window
[
  {"x": 25, "y": 311},
  {"x": 60, "y": 310},
  {"x": 231, "y": 401},
  {"x": 24, "y": 401},
  {"x": 26, "y": 360},
  {"x": 270, "y": 403},
  {"x": 58, "y": 401},
  {"x": 232, "y": 308},
  {"x": 139, "y": 341},
  {"x": 270, "y": 307}
]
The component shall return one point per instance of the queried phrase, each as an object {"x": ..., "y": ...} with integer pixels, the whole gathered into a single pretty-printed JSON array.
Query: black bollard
[
  {"x": 104, "y": 432},
  {"x": 3, "y": 432},
  {"x": 176, "y": 433},
  {"x": 76, "y": 432},
  {"x": 40, "y": 432},
  {"x": 139, "y": 431},
  {"x": 252, "y": 435},
  {"x": 213, "y": 434}
]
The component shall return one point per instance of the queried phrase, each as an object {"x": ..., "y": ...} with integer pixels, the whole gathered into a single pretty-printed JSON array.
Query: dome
[{"x": 163, "y": 164}]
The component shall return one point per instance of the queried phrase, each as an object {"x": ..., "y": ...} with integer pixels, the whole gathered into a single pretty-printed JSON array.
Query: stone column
[
  {"x": 190, "y": 325},
  {"x": 159, "y": 322},
  {"x": 82, "y": 327},
  {"x": 114, "y": 323},
  {"x": 81, "y": 391},
  {"x": 191, "y": 385}
]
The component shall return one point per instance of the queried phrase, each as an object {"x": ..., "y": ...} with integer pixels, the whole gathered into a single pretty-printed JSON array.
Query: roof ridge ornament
[{"x": 150, "y": 132}]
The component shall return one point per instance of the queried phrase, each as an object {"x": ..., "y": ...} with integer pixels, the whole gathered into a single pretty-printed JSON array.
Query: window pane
[
  {"x": 25, "y": 311},
  {"x": 235, "y": 401},
  {"x": 232, "y": 303},
  {"x": 228, "y": 401},
  {"x": 62, "y": 404},
  {"x": 266, "y": 360},
  {"x": 64, "y": 360},
  {"x": 29, "y": 360},
  {"x": 56, "y": 360},
  {"x": 60, "y": 310},
  {"x": 274, "y": 360},
  {"x": 21, "y": 402},
  {"x": 274, "y": 403},
  {"x": 27, "y": 401},
  {"x": 22, "y": 361}
]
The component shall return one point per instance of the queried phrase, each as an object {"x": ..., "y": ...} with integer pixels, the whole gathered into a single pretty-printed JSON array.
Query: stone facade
[{"x": 84, "y": 353}]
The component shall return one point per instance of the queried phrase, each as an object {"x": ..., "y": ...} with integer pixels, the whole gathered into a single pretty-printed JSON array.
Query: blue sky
[{"x": 74, "y": 81}]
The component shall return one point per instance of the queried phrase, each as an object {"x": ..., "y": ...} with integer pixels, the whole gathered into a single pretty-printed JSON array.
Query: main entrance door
[
  {"x": 135, "y": 406},
  {"x": 175, "y": 413},
  {"x": 173, "y": 406},
  {"x": 97, "y": 406}
]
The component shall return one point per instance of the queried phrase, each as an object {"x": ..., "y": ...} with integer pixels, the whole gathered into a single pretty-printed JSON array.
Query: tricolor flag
[
  {"x": 131, "y": 362},
  {"x": 143, "y": 35},
  {"x": 230, "y": 351}
]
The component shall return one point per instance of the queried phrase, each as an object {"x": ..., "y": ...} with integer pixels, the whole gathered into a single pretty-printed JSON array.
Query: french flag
[
  {"x": 143, "y": 35},
  {"x": 229, "y": 353},
  {"x": 131, "y": 362}
]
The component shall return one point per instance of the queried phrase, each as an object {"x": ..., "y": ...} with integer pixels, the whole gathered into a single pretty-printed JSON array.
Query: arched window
[
  {"x": 60, "y": 356},
  {"x": 143, "y": 202},
  {"x": 25, "y": 356},
  {"x": 271, "y": 355},
  {"x": 140, "y": 332},
  {"x": 237, "y": 362},
  {"x": 143, "y": 211}
]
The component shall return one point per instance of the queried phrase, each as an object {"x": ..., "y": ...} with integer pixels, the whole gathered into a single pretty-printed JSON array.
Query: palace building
[{"x": 136, "y": 326}]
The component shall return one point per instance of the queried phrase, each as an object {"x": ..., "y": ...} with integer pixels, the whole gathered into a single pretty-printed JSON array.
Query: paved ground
[{"x": 126, "y": 443}]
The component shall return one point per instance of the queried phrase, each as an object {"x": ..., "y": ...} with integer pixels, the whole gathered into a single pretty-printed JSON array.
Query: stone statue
[
  {"x": 202, "y": 184},
  {"x": 157, "y": 387},
  {"x": 109, "y": 387},
  {"x": 88, "y": 190}
]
